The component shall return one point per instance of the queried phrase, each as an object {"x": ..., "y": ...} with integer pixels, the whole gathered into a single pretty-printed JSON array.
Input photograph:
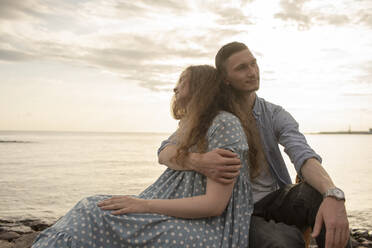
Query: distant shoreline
[{"x": 341, "y": 132}]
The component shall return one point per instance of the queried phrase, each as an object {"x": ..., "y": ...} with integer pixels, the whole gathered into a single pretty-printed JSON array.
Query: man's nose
[{"x": 252, "y": 72}]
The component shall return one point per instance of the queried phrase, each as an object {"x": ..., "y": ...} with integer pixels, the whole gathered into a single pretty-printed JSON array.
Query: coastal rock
[
  {"x": 26, "y": 240},
  {"x": 6, "y": 244},
  {"x": 21, "y": 229},
  {"x": 21, "y": 234},
  {"x": 36, "y": 225},
  {"x": 9, "y": 236},
  {"x": 354, "y": 242}
]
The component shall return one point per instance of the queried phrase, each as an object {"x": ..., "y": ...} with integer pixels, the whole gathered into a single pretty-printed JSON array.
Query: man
[{"x": 282, "y": 210}]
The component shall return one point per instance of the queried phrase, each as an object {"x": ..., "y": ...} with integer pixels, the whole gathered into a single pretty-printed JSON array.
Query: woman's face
[{"x": 181, "y": 91}]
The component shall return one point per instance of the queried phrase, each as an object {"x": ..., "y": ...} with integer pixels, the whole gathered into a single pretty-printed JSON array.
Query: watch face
[{"x": 338, "y": 193}]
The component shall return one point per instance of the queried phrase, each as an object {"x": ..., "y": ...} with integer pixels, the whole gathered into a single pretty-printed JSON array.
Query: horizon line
[{"x": 75, "y": 131}]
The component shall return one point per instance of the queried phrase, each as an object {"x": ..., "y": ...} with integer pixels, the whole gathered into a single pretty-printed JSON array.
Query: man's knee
[
  {"x": 307, "y": 193},
  {"x": 274, "y": 235}
]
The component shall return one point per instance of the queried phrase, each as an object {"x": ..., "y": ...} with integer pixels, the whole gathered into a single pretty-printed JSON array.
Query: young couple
[{"x": 227, "y": 184}]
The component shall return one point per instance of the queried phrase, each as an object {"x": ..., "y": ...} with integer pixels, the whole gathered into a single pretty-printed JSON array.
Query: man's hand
[
  {"x": 219, "y": 165},
  {"x": 124, "y": 204},
  {"x": 333, "y": 213}
]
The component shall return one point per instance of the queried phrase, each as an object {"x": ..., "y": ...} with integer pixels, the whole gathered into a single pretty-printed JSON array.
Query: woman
[{"x": 182, "y": 208}]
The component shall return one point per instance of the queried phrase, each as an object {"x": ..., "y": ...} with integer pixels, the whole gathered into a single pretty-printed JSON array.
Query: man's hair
[
  {"x": 233, "y": 101},
  {"x": 225, "y": 52}
]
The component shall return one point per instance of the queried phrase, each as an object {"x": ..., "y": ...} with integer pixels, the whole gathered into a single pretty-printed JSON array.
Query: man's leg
[
  {"x": 269, "y": 234},
  {"x": 295, "y": 205}
]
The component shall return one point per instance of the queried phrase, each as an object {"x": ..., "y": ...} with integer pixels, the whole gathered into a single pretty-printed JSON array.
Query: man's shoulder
[{"x": 264, "y": 105}]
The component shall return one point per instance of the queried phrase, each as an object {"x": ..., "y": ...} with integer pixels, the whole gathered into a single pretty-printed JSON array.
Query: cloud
[
  {"x": 365, "y": 17},
  {"x": 9, "y": 55},
  {"x": 102, "y": 34},
  {"x": 366, "y": 76},
  {"x": 337, "y": 20},
  {"x": 307, "y": 13},
  {"x": 231, "y": 16},
  {"x": 147, "y": 8},
  {"x": 292, "y": 10},
  {"x": 13, "y": 10}
]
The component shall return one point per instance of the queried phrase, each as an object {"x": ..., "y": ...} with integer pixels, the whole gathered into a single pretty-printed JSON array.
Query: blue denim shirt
[{"x": 277, "y": 126}]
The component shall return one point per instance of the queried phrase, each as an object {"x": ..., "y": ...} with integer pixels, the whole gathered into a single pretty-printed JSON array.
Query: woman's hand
[{"x": 124, "y": 204}]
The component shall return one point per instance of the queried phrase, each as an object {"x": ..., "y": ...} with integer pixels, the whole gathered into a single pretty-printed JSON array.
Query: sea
[{"x": 44, "y": 174}]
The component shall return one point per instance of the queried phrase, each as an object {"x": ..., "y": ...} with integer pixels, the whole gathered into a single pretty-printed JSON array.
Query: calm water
[{"x": 48, "y": 174}]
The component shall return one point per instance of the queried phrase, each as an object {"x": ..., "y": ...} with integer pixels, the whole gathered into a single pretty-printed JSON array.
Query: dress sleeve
[
  {"x": 293, "y": 141},
  {"x": 226, "y": 132}
]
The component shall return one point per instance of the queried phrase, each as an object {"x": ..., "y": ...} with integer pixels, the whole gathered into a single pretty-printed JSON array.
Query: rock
[
  {"x": 26, "y": 240},
  {"x": 354, "y": 242},
  {"x": 5, "y": 221},
  {"x": 366, "y": 243},
  {"x": 9, "y": 236},
  {"x": 6, "y": 244},
  {"x": 37, "y": 225},
  {"x": 370, "y": 235},
  {"x": 360, "y": 232},
  {"x": 21, "y": 229},
  {"x": 15, "y": 227}
]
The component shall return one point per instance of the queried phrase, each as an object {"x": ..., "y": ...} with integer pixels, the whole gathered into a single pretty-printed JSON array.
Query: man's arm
[
  {"x": 315, "y": 175},
  {"x": 308, "y": 166},
  {"x": 331, "y": 212},
  {"x": 219, "y": 164}
]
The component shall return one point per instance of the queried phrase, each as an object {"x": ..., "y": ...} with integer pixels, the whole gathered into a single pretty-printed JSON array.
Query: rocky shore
[{"x": 20, "y": 234}]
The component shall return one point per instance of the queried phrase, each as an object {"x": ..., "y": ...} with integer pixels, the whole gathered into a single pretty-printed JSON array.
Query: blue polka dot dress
[{"x": 87, "y": 226}]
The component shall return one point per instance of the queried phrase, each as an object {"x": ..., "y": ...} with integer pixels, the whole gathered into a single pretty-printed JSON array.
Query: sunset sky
[{"x": 105, "y": 65}]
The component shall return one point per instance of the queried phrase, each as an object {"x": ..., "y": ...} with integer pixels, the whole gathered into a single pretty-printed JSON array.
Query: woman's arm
[
  {"x": 225, "y": 133},
  {"x": 212, "y": 203}
]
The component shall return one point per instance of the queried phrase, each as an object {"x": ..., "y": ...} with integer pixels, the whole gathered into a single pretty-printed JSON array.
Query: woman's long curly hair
[{"x": 197, "y": 112}]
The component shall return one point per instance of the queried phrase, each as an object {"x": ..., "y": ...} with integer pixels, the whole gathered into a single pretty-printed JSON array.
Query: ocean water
[{"x": 43, "y": 174}]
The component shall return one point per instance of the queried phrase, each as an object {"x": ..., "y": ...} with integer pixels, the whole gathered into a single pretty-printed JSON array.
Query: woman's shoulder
[
  {"x": 224, "y": 121},
  {"x": 225, "y": 130},
  {"x": 225, "y": 117}
]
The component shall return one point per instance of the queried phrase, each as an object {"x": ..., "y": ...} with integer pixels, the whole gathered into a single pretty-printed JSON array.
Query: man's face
[{"x": 242, "y": 71}]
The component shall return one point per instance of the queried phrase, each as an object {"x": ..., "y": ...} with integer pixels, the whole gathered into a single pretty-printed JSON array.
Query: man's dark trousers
[{"x": 280, "y": 218}]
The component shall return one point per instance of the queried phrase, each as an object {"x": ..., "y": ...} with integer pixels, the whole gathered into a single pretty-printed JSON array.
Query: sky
[{"x": 105, "y": 65}]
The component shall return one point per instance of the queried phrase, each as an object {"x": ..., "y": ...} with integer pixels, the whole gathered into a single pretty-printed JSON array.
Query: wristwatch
[{"x": 336, "y": 193}]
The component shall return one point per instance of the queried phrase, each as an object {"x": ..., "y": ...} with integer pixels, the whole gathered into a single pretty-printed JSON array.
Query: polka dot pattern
[{"x": 87, "y": 226}]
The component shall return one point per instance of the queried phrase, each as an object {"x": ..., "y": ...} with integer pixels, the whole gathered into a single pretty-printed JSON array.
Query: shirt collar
[{"x": 256, "y": 110}]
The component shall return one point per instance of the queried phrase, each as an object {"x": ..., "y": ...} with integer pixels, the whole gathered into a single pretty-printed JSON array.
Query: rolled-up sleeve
[{"x": 293, "y": 141}]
